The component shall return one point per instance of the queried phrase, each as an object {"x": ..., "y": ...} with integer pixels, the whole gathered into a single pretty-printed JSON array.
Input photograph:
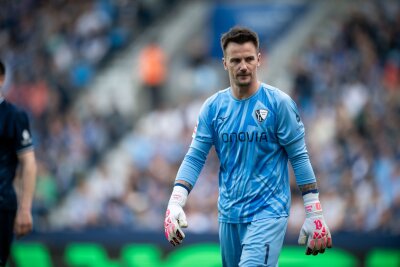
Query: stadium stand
[{"x": 101, "y": 172}]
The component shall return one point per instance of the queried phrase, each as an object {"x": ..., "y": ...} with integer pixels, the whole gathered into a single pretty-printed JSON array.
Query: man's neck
[{"x": 246, "y": 91}]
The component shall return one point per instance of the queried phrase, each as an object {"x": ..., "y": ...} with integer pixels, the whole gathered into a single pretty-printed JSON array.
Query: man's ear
[
  {"x": 224, "y": 63},
  {"x": 259, "y": 59}
]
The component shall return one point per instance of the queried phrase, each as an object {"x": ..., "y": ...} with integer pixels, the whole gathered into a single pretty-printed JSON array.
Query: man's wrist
[
  {"x": 25, "y": 206},
  {"x": 312, "y": 204},
  {"x": 178, "y": 196}
]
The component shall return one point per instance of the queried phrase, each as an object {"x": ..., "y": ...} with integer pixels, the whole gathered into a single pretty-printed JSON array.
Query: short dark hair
[
  {"x": 239, "y": 35},
  {"x": 2, "y": 69}
]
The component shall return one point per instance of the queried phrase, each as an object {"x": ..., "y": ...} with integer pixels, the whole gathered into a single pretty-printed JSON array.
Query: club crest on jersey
[{"x": 261, "y": 114}]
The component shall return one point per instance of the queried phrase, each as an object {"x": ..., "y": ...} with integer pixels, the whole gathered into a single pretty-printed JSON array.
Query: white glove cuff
[
  {"x": 312, "y": 204},
  {"x": 178, "y": 196}
]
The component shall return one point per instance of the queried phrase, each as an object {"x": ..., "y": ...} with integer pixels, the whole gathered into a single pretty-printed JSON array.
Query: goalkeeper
[{"x": 255, "y": 129}]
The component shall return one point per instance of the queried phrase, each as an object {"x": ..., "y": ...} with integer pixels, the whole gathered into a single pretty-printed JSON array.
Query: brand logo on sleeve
[
  {"x": 26, "y": 138},
  {"x": 298, "y": 118}
]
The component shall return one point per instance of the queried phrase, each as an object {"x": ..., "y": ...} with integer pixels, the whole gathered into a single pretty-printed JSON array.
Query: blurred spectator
[{"x": 153, "y": 71}]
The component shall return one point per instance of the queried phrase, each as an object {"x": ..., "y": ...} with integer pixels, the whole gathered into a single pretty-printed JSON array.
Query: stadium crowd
[
  {"x": 347, "y": 86},
  {"x": 54, "y": 49},
  {"x": 346, "y": 82}
]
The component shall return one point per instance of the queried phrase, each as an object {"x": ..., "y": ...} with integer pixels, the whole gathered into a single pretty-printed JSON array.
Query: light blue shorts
[{"x": 252, "y": 244}]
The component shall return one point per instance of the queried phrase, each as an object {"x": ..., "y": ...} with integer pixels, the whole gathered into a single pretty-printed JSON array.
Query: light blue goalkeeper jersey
[{"x": 253, "y": 138}]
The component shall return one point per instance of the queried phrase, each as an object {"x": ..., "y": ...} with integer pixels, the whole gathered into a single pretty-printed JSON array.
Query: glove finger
[
  {"x": 310, "y": 246},
  {"x": 324, "y": 241},
  {"x": 171, "y": 231},
  {"x": 318, "y": 244},
  {"x": 179, "y": 234},
  {"x": 302, "y": 240},
  {"x": 311, "y": 243},
  {"x": 329, "y": 242},
  {"x": 170, "y": 227},
  {"x": 328, "y": 238},
  {"x": 177, "y": 242},
  {"x": 302, "y": 237},
  {"x": 182, "y": 220},
  {"x": 166, "y": 234}
]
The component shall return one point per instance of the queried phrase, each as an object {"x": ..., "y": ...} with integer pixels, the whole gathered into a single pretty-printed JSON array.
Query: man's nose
[{"x": 242, "y": 66}]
